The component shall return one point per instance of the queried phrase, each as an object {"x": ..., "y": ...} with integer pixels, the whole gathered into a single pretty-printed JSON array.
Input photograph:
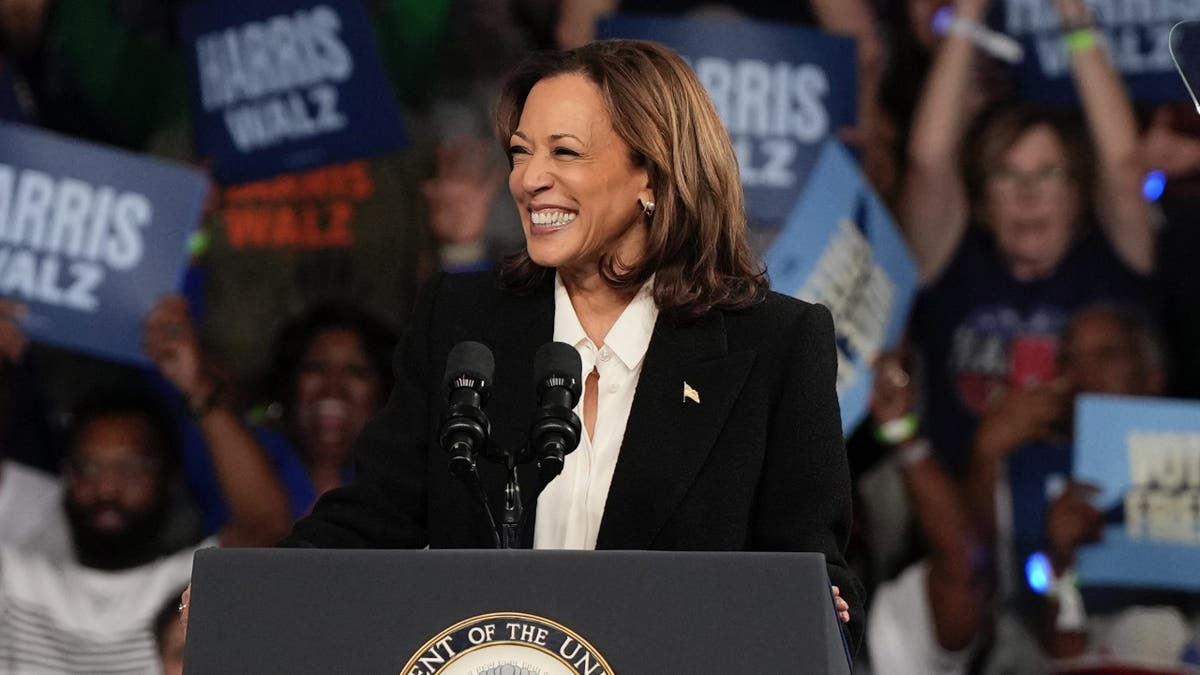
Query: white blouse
[{"x": 570, "y": 508}]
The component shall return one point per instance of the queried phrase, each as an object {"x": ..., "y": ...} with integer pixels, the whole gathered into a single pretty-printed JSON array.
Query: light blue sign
[
  {"x": 841, "y": 248},
  {"x": 284, "y": 85},
  {"x": 91, "y": 238},
  {"x": 1144, "y": 454},
  {"x": 781, "y": 90},
  {"x": 1136, "y": 35}
]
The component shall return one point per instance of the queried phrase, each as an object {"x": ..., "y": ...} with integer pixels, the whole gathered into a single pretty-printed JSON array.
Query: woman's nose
[{"x": 536, "y": 175}]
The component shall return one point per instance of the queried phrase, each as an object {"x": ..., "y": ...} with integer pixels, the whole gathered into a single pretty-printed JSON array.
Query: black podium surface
[{"x": 593, "y": 612}]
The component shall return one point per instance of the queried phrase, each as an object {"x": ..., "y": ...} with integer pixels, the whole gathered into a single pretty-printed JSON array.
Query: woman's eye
[
  {"x": 517, "y": 150},
  {"x": 565, "y": 152}
]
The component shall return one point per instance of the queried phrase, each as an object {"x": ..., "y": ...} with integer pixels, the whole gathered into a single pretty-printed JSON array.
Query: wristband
[
  {"x": 897, "y": 431},
  {"x": 1081, "y": 40},
  {"x": 1072, "y": 617},
  {"x": 199, "y": 410}
]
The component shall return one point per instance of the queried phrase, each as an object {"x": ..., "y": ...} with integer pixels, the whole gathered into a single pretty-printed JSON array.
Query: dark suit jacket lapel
[
  {"x": 517, "y": 326},
  {"x": 668, "y": 435}
]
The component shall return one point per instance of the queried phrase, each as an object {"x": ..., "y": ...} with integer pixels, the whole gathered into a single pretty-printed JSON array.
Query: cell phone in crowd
[{"x": 1033, "y": 361}]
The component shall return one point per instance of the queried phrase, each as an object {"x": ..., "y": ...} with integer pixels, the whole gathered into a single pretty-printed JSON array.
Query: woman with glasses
[{"x": 1015, "y": 222}]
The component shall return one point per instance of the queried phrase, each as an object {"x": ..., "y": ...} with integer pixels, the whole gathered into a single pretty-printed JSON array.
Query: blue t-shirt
[{"x": 966, "y": 322}]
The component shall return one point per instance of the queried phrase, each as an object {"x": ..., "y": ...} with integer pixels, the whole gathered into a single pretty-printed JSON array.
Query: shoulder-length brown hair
[{"x": 697, "y": 246}]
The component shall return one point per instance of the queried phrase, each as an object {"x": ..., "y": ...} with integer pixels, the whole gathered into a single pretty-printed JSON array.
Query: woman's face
[
  {"x": 337, "y": 391},
  {"x": 573, "y": 179},
  {"x": 1032, "y": 203}
]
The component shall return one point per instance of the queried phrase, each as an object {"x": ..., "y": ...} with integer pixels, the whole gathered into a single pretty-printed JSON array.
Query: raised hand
[{"x": 169, "y": 339}]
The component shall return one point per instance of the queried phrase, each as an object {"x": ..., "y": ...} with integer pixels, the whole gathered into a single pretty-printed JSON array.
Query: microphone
[
  {"x": 465, "y": 428},
  {"x": 554, "y": 434}
]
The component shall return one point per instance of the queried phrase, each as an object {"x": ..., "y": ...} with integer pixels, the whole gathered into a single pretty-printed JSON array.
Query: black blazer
[{"x": 758, "y": 465}]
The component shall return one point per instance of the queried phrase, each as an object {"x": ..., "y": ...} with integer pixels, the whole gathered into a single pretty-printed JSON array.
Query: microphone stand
[
  {"x": 510, "y": 523},
  {"x": 466, "y": 472}
]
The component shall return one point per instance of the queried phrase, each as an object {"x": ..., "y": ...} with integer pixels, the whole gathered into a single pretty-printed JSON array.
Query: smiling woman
[
  {"x": 633, "y": 127},
  {"x": 710, "y": 417},
  {"x": 332, "y": 370},
  {"x": 574, "y": 181}
]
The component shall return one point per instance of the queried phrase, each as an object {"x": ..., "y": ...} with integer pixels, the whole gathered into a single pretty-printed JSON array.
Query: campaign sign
[
  {"x": 91, "y": 238},
  {"x": 841, "y": 248},
  {"x": 1136, "y": 34},
  {"x": 780, "y": 90},
  {"x": 284, "y": 85},
  {"x": 1144, "y": 454}
]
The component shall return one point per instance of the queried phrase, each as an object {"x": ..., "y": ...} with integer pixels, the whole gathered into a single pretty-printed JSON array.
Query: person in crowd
[
  {"x": 31, "y": 518},
  {"x": 937, "y": 616},
  {"x": 913, "y": 41},
  {"x": 215, "y": 439},
  {"x": 93, "y": 612},
  {"x": 1020, "y": 482},
  {"x": 1032, "y": 230},
  {"x": 628, "y": 192},
  {"x": 332, "y": 371},
  {"x": 928, "y": 619}
]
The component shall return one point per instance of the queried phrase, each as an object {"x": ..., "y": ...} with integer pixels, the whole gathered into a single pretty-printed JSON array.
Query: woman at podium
[{"x": 709, "y": 414}]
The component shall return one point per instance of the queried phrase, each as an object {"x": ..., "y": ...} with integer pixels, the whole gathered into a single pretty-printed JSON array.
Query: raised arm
[
  {"x": 258, "y": 504},
  {"x": 934, "y": 209},
  {"x": 1123, "y": 212},
  {"x": 856, "y": 18},
  {"x": 959, "y": 570}
]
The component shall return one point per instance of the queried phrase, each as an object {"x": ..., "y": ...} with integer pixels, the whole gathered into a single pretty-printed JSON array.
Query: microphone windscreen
[
  {"x": 470, "y": 359},
  {"x": 558, "y": 361}
]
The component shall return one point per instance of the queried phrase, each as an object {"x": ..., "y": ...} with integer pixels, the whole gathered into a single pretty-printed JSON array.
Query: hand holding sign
[
  {"x": 169, "y": 339},
  {"x": 1072, "y": 520}
]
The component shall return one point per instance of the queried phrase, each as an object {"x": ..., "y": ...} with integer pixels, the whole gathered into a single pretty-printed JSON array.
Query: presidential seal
[{"x": 507, "y": 643}]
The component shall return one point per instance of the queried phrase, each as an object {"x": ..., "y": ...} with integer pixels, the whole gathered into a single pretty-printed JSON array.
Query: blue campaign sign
[
  {"x": 1135, "y": 33},
  {"x": 284, "y": 85},
  {"x": 91, "y": 238},
  {"x": 841, "y": 248},
  {"x": 781, "y": 90},
  {"x": 1144, "y": 453}
]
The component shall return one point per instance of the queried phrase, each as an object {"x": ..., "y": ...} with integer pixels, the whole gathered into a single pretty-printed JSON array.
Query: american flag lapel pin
[{"x": 690, "y": 394}]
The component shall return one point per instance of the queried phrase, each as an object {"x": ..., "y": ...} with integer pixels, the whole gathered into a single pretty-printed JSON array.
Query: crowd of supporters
[{"x": 1033, "y": 241}]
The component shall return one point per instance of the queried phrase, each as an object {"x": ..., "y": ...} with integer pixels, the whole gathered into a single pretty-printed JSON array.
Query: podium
[{"x": 494, "y": 612}]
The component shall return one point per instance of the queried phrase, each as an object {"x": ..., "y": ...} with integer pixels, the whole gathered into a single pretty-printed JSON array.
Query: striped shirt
[{"x": 66, "y": 618}]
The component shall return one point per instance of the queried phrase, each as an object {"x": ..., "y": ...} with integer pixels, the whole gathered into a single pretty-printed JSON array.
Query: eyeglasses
[
  {"x": 132, "y": 469},
  {"x": 1038, "y": 180}
]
